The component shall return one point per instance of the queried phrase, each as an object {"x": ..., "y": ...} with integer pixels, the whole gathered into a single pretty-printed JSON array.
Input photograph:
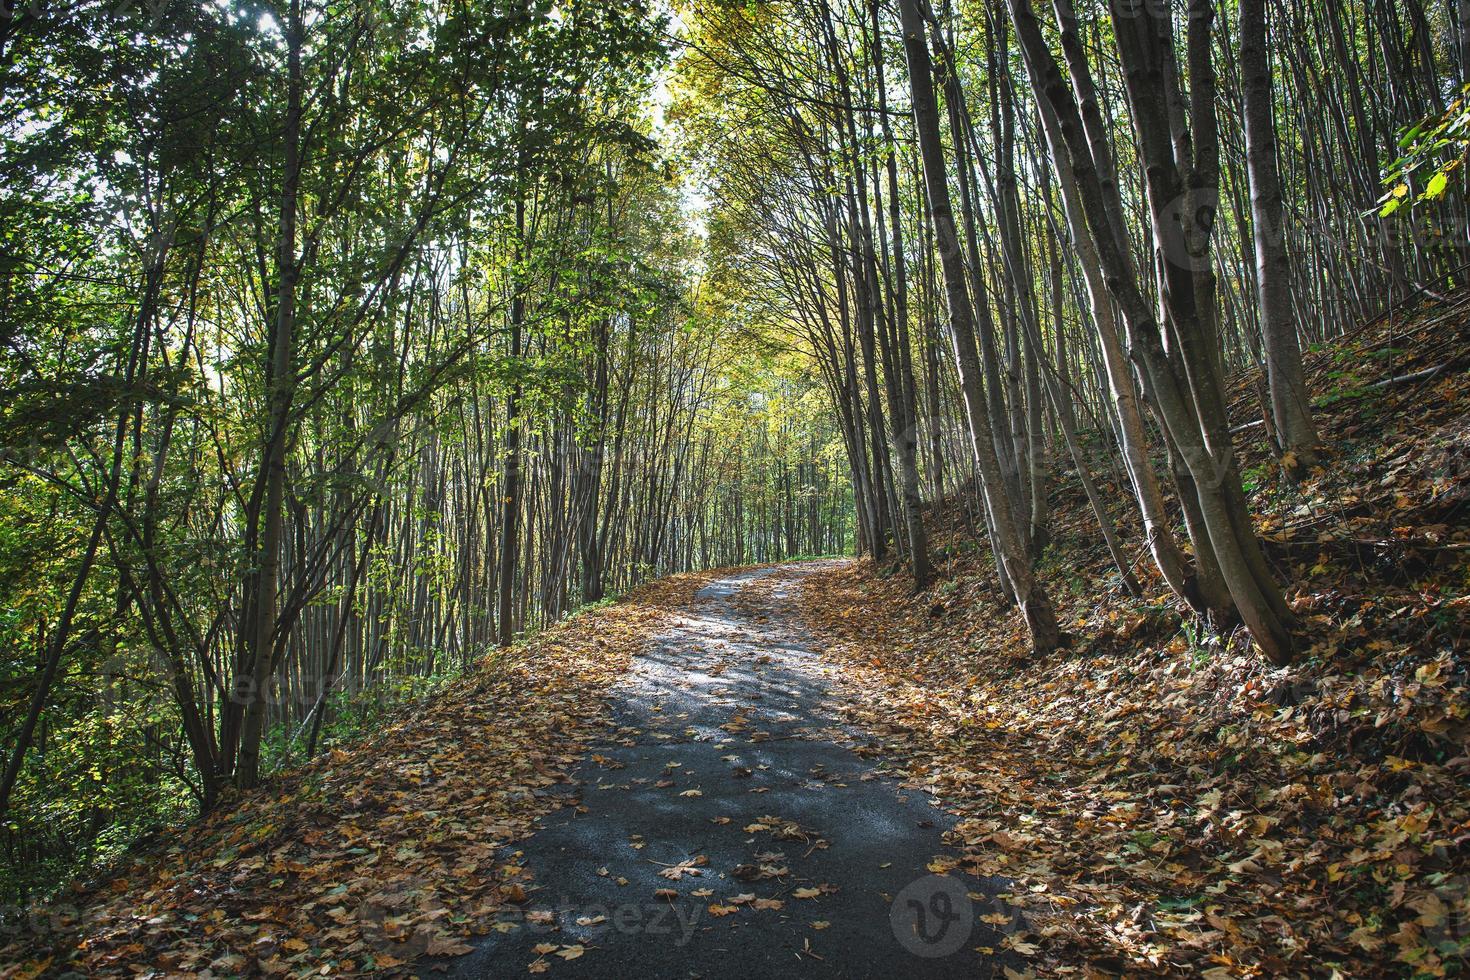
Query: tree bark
[
  {"x": 282, "y": 392},
  {"x": 1013, "y": 554},
  {"x": 1168, "y": 558},
  {"x": 511, "y": 470},
  {"x": 903, "y": 393},
  {"x": 1290, "y": 403}
]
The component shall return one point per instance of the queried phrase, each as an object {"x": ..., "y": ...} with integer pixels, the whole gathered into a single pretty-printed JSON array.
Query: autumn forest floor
[
  {"x": 810, "y": 771},
  {"x": 1165, "y": 801}
]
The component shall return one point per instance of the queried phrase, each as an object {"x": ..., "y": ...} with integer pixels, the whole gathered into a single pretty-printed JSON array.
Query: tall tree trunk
[
  {"x": 1013, "y": 554},
  {"x": 1290, "y": 403},
  {"x": 1184, "y": 374},
  {"x": 903, "y": 395},
  {"x": 511, "y": 488},
  {"x": 1059, "y": 389},
  {"x": 282, "y": 390},
  {"x": 590, "y": 473}
]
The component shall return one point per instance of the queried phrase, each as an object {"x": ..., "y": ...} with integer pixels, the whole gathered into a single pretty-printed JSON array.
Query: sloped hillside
[{"x": 1164, "y": 800}]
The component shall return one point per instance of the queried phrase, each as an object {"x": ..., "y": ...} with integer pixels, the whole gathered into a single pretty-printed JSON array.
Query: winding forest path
[{"x": 732, "y": 827}]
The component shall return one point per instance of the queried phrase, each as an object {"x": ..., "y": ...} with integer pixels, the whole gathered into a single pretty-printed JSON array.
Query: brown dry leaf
[
  {"x": 442, "y": 945},
  {"x": 676, "y": 872}
]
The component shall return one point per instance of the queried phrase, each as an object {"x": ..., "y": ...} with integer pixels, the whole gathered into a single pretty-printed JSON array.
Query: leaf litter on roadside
[
  {"x": 1169, "y": 803},
  {"x": 370, "y": 859}
]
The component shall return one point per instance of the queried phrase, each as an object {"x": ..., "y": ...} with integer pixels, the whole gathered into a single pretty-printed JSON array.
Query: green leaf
[{"x": 1436, "y": 186}]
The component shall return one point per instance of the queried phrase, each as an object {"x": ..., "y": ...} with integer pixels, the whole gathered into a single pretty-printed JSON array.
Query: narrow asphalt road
[{"x": 733, "y": 827}]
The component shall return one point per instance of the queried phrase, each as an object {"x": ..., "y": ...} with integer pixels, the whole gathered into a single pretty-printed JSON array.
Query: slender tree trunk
[
  {"x": 511, "y": 489},
  {"x": 903, "y": 393},
  {"x": 1012, "y": 552},
  {"x": 55, "y": 647},
  {"x": 1059, "y": 389},
  {"x": 1290, "y": 402},
  {"x": 591, "y": 472},
  {"x": 282, "y": 391},
  {"x": 1185, "y": 374}
]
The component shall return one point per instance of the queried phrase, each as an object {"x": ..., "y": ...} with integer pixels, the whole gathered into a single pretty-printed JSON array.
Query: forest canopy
[{"x": 342, "y": 343}]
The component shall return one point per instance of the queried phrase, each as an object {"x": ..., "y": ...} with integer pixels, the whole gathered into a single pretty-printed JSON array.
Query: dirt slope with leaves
[
  {"x": 1174, "y": 805},
  {"x": 370, "y": 858}
]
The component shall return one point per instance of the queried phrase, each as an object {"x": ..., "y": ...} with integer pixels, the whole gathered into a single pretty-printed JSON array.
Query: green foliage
[
  {"x": 468, "y": 173},
  {"x": 1432, "y": 152},
  {"x": 355, "y": 715},
  {"x": 141, "y": 169}
]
